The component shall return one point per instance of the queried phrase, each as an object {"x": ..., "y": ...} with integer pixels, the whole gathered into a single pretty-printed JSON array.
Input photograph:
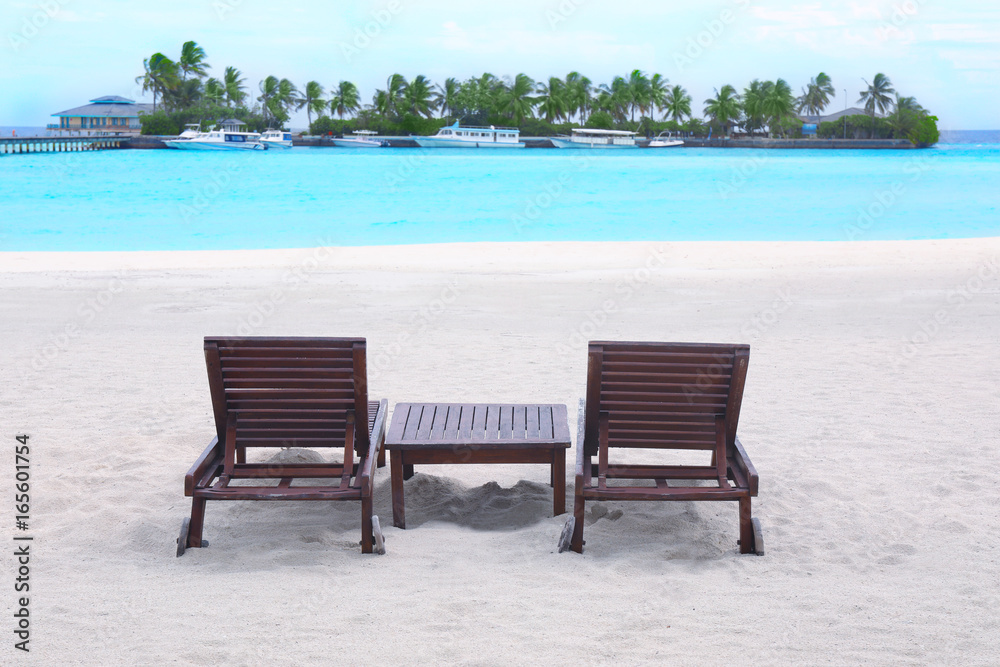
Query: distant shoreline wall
[
  {"x": 156, "y": 142},
  {"x": 897, "y": 144},
  {"x": 543, "y": 142}
]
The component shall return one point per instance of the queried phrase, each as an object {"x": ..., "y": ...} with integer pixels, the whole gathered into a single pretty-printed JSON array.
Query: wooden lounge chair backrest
[
  {"x": 289, "y": 392},
  {"x": 665, "y": 395}
]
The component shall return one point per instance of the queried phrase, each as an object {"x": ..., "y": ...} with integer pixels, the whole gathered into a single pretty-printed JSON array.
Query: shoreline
[{"x": 508, "y": 257}]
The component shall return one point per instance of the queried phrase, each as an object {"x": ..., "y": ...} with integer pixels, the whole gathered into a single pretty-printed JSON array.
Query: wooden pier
[{"x": 14, "y": 145}]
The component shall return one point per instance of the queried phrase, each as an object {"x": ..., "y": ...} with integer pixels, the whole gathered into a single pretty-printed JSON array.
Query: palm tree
[
  {"x": 753, "y": 105},
  {"x": 724, "y": 108},
  {"x": 778, "y": 104},
  {"x": 160, "y": 76},
  {"x": 289, "y": 97},
  {"x": 268, "y": 93},
  {"x": 235, "y": 90},
  {"x": 677, "y": 104},
  {"x": 418, "y": 96},
  {"x": 313, "y": 100},
  {"x": 906, "y": 116},
  {"x": 908, "y": 104},
  {"x": 444, "y": 97},
  {"x": 658, "y": 92},
  {"x": 380, "y": 103},
  {"x": 395, "y": 88},
  {"x": 816, "y": 96},
  {"x": 214, "y": 91},
  {"x": 192, "y": 60},
  {"x": 516, "y": 101},
  {"x": 345, "y": 99},
  {"x": 640, "y": 93},
  {"x": 185, "y": 94},
  {"x": 877, "y": 96},
  {"x": 552, "y": 99},
  {"x": 578, "y": 94},
  {"x": 616, "y": 98}
]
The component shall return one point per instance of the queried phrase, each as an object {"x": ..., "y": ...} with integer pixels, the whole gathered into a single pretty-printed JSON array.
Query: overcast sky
[{"x": 57, "y": 54}]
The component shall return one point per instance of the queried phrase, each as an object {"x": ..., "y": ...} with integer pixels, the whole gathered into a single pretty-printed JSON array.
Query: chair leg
[
  {"x": 746, "y": 527},
  {"x": 578, "y": 511},
  {"x": 381, "y": 458},
  {"x": 241, "y": 455},
  {"x": 366, "y": 525},
  {"x": 197, "y": 522}
]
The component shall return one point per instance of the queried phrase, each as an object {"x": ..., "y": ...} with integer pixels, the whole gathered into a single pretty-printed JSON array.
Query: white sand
[{"x": 874, "y": 428}]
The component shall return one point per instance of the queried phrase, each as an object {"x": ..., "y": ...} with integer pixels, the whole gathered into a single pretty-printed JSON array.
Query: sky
[{"x": 57, "y": 54}]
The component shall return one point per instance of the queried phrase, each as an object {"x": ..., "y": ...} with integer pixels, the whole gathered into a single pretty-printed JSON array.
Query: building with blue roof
[{"x": 104, "y": 115}]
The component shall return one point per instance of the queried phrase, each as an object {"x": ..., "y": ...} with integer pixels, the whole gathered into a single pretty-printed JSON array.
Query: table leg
[
  {"x": 407, "y": 471},
  {"x": 559, "y": 480},
  {"x": 396, "y": 472}
]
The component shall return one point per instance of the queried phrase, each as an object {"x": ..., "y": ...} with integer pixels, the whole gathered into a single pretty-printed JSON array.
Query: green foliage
[
  {"x": 366, "y": 120},
  {"x": 159, "y": 123},
  {"x": 695, "y": 127},
  {"x": 601, "y": 120},
  {"x": 724, "y": 109},
  {"x": 926, "y": 133},
  {"x": 538, "y": 127},
  {"x": 414, "y": 124},
  {"x": 858, "y": 127},
  {"x": 207, "y": 114}
]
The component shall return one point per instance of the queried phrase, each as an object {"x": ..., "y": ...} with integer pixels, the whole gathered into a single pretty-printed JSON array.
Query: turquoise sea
[{"x": 173, "y": 200}]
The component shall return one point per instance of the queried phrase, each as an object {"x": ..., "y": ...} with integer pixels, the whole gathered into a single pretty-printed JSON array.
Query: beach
[{"x": 870, "y": 412}]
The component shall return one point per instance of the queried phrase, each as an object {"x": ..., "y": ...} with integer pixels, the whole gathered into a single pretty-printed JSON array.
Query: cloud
[{"x": 964, "y": 33}]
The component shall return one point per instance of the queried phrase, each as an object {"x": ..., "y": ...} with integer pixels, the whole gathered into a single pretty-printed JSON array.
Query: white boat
[
  {"x": 276, "y": 139},
  {"x": 456, "y": 136},
  {"x": 229, "y": 138},
  {"x": 359, "y": 139},
  {"x": 584, "y": 137},
  {"x": 665, "y": 141},
  {"x": 191, "y": 131}
]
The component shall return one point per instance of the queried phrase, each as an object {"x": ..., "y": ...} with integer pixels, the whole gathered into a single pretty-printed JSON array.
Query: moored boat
[
  {"x": 667, "y": 141},
  {"x": 230, "y": 137},
  {"x": 276, "y": 139},
  {"x": 191, "y": 130},
  {"x": 360, "y": 139},
  {"x": 456, "y": 136},
  {"x": 584, "y": 137}
]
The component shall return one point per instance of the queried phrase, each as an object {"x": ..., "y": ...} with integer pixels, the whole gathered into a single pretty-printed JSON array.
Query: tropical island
[{"x": 183, "y": 93}]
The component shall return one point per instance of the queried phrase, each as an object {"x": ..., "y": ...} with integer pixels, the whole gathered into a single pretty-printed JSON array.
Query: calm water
[{"x": 167, "y": 200}]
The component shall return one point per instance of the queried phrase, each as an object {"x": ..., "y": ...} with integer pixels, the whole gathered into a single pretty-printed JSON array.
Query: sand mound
[{"x": 486, "y": 507}]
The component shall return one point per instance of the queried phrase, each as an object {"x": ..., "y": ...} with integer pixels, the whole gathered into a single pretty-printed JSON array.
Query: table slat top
[{"x": 485, "y": 424}]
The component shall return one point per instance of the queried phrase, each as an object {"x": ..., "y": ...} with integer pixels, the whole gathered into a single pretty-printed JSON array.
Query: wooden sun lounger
[
  {"x": 665, "y": 396},
  {"x": 288, "y": 392}
]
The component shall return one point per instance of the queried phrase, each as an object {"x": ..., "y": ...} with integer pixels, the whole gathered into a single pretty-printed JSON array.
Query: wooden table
[{"x": 445, "y": 433}]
